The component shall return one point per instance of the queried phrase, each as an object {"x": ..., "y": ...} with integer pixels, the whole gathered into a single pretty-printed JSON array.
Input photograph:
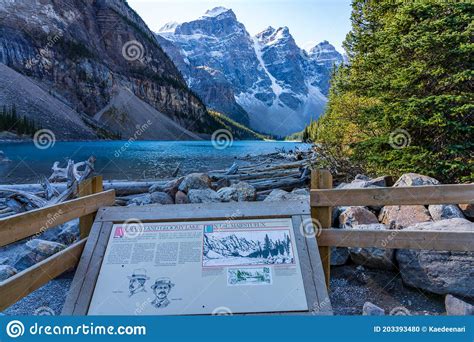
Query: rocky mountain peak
[
  {"x": 325, "y": 53},
  {"x": 220, "y": 13},
  {"x": 218, "y": 23},
  {"x": 271, "y": 78}
]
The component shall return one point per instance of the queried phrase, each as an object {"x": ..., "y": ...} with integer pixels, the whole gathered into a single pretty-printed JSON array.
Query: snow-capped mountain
[{"x": 268, "y": 76}]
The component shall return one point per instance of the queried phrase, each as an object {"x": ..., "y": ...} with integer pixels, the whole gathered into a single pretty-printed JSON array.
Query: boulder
[
  {"x": 195, "y": 181},
  {"x": 36, "y": 251},
  {"x": 445, "y": 211},
  {"x": 239, "y": 192},
  {"x": 439, "y": 271},
  {"x": 362, "y": 181},
  {"x": 282, "y": 195},
  {"x": 339, "y": 256},
  {"x": 203, "y": 196},
  {"x": 354, "y": 216},
  {"x": 181, "y": 198},
  {"x": 161, "y": 198},
  {"x": 44, "y": 248},
  {"x": 227, "y": 194},
  {"x": 370, "y": 309},
  {"x": 401, "y": 216},
  {"x": 140, "y": 200},
  {"x": 373, "y": 257},
  {"x": 457, "y": 307},
  {"x": 468, "y": 210},
  {"x": 6, "y": 272},
  {"x": 244, "y": 191},
  {"x": 69, "y": 233},
  {"x": 415, "y": 179}
]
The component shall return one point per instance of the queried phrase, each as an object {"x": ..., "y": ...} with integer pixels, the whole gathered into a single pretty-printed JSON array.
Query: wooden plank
[
  {"x": 416, "y": 195},
  {"x": 211, "y": 211},
  {"x": 25, "y": 282},
  {"x": 20, "y": 226},
  {"x": 80, "y": 274},
  {"x": 399, "y": 239},
  {"x": 89, "y": 187},
  {"x": 305, "y": 264},
  {"x": 85, "y": 295},
  {"x": 322, "y": 217},
  {"x": 319, "y": 278}
]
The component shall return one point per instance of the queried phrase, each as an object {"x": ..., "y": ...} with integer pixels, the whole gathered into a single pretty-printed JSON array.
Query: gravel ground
[
  {"x": 47, "y": 300},
  {"x": 351, "y": 287}
]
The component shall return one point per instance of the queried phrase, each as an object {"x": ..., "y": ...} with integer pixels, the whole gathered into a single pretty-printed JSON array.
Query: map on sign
[{"x": 181, "y": 268}]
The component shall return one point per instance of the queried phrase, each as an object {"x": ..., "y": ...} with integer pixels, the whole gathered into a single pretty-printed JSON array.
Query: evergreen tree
[{"x": 405, "y": 102}]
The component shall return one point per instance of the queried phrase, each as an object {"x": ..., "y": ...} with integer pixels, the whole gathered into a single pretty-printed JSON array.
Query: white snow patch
[
  {"x": 215, "y": 12},
  {"x": 276, "y": 88}
]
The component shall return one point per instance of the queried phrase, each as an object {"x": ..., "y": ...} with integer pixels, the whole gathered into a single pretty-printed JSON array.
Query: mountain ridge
[{"x": 281, "y": 86}]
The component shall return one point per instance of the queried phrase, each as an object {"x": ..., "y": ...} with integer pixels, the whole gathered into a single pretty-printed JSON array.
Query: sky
[{"x": 309, "y": 21}]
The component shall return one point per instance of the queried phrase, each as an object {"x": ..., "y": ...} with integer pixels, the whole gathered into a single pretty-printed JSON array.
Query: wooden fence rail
[
  {"x": 323, "y": 198},
  {"x": 20, "y": 226},
  {"x": 24, "y": 225}
]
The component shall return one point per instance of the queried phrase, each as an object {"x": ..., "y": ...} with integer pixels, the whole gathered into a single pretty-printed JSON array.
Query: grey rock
[
  {"x": 36, "y": 250},
  {"x": 195, "y": 181},
  {"x": 445, "y": 211},
  {"x": 282, "y": 195},
  {"x": 68, "y": 234},
  {"x": 140, "y": 200},
  {"x": 7, "y": 272},
  {"x": 415, "y": 179},
  {"x": 227, "y": 194},
  {"x": 458, "y": 307},
  {"x": 370, "y": 309},
  {"x": 203, "y": 196},
  {"x": 244, "y": 192},
  {"x": 339, "y": 256},
  {"x": 373, "y": 257},
  {"x": 439, "y": 271},
  {"x": 161, "y": 198}
]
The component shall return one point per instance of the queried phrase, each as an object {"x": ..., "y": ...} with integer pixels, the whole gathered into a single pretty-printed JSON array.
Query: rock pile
[{"x": 433, "y": 271}]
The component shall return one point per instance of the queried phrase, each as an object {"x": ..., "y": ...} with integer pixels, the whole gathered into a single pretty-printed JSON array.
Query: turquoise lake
[{"x": 119, "y": 160}]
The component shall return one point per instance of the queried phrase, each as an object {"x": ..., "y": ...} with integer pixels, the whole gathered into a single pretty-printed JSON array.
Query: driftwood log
[{"x": 19, "y": 201}]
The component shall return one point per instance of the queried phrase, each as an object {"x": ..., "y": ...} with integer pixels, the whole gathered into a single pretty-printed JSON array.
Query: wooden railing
[
  {"x": 323, "y": 198},
  {"x": 35, "y": 222}
]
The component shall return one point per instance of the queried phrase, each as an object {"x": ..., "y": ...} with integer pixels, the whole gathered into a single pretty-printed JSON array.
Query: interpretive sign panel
[{"x": 202, "y": 267}]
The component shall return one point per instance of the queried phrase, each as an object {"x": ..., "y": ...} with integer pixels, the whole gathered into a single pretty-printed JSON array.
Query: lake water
[{"x": 135, "y": 161}]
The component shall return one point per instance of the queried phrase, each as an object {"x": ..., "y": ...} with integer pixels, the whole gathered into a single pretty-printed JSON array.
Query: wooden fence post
[
  {"x": 88, "y": 187},
  {"x": 322, "y": 179}
]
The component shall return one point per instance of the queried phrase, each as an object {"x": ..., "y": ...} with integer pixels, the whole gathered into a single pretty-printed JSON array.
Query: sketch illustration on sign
[
  {"x": 161, "y": 288},
  {"x": 263, "y": 247},
  {"x": 137, "y": 281},
  {"x": 249, "y": 276}
]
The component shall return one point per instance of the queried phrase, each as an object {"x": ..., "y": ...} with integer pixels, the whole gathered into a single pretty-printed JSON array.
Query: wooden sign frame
[{"x": 83, "y": 285}]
